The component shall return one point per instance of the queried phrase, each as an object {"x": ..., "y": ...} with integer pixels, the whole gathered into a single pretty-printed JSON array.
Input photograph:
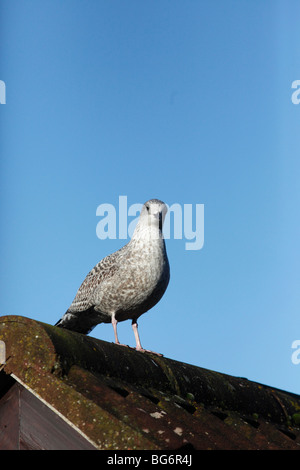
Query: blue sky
[{"x": 188, "y": 102}]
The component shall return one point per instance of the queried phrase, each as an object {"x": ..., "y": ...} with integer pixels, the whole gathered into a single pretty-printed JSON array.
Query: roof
[{"x": 110, "y": 397}]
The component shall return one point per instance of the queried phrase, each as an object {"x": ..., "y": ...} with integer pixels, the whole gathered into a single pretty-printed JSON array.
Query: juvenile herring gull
[{"x": 127, "y": 283}]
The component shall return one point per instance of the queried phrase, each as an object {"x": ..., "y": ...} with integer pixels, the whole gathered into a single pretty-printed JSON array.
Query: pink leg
[
  {"x": 136, "y": 335},
  {"x": 114, "y": 324},
  {"x": 137, "y": 339}
]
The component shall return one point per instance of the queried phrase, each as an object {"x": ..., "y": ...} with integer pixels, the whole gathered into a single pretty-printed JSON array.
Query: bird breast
[{"x": 140, "y": 280}]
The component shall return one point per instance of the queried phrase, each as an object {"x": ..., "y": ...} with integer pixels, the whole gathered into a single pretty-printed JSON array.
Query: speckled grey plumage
[{"x": 127, "y": 283}]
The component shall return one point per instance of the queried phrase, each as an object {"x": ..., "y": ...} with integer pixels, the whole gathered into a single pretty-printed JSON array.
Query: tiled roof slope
[{"x": 123, "y": 399}]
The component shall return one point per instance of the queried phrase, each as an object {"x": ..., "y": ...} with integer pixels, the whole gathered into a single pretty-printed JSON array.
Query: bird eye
[{"x": 148, "y": 208}]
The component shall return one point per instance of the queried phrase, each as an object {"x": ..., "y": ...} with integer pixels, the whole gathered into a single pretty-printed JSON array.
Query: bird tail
[
  {"x": 81, "y": 322},
  {"x": 60, "y": 323}
]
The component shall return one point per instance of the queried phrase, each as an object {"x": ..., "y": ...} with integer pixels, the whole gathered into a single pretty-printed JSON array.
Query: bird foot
[
  {"x": 128, "y": 347},
  {"x": 148, "y": 351},
  {"x": 139, "y": 349},
  {"x": 125, "y": 345}
]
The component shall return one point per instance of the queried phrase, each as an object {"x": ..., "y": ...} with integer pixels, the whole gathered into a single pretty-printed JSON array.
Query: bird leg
[
  {"x": 137, "y": 339},
  {"x": 136, "y": 335},
  {"x": 114, "y": 324}
]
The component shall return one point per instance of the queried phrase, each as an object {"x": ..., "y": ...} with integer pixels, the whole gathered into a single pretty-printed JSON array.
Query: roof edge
[{"x": 36, "y": 348}]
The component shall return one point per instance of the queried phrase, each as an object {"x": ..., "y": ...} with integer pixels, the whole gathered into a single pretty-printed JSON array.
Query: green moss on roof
[{"x": 123, "y": 399}]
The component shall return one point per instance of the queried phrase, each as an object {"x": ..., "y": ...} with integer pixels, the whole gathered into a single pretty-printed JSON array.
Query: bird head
[
  {"x": 151, "y": 219},
  {"x": 154, "y": 211}
]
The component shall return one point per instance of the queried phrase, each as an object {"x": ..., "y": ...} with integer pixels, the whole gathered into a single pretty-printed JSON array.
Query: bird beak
[{"x": 158, "y": 216}]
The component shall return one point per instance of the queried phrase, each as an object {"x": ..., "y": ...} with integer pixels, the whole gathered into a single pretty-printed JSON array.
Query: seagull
[{"x": 127, "y": 283}]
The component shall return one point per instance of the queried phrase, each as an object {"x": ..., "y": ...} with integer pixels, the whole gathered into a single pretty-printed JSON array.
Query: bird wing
[{"x": 104, "y": 270}]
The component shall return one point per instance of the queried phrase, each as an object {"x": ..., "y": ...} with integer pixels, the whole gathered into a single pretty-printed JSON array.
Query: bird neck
[{"x": 148, "y": 232}]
